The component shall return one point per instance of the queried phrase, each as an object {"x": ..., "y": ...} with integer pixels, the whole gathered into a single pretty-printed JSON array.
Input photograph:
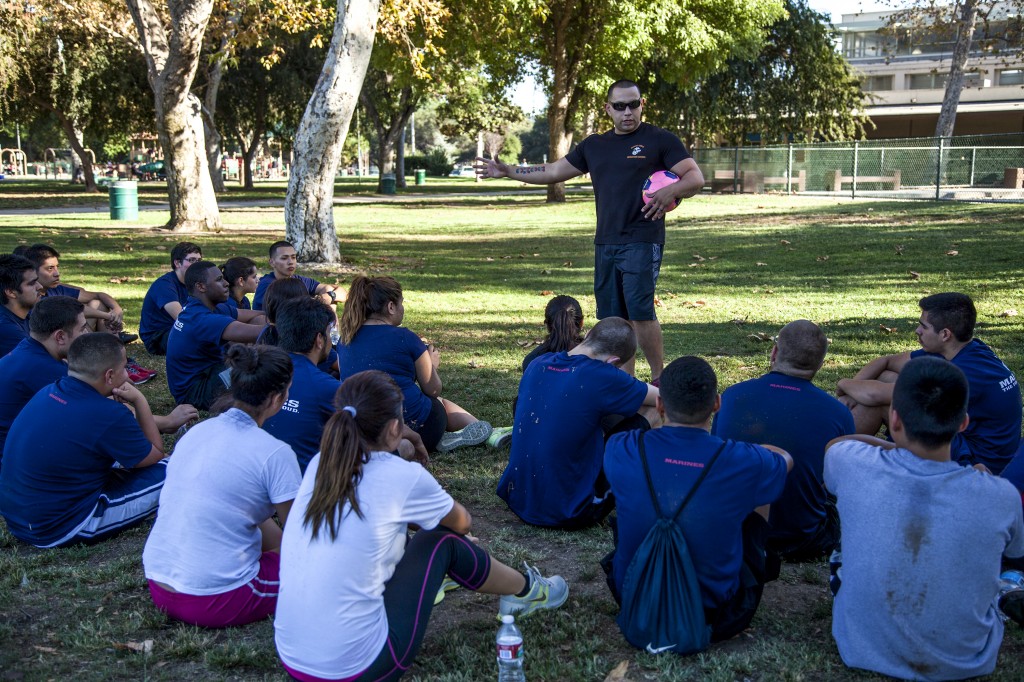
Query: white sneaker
[
  {"x": 474, "y": 434},
  {"x": 545, "y": 593}
]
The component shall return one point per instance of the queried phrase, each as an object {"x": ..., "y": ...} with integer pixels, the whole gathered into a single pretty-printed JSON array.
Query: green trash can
[
  {"x": 387, "y": 184},
  {"x": 421, "y": 176},
  {"x": 124, "y": 200}
]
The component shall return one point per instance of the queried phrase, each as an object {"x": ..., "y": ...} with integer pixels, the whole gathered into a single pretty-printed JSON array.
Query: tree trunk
[
  {"x": 172, "y": 59},
  {"x": 214, "y": 148},
  {"x": 249, "y": 153},
  {"x": 400, "y": 161},
  {"x": 309, "y": 205},
  {"x": 74, "y": 136},
  {"x": 559, "y": 140},
  {"x": 389, "y": 131},
  {"x": 955, "y": 83}
]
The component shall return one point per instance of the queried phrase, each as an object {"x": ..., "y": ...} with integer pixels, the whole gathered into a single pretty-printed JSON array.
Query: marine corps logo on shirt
[{"x": 636, "y": 151}]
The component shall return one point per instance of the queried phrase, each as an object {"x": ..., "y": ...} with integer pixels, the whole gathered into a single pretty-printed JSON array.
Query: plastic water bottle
[
  {"x": 1009, "y": 581},
  {"x": 510, "y": 651}
]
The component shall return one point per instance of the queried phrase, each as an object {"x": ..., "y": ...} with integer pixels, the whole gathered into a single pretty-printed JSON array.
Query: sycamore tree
[
  {"x": 74, "y": 62},
  {"x": 797, "y": 87},
  {"x": 992, "y": 29},
  {"x": 582, "y": 47}
]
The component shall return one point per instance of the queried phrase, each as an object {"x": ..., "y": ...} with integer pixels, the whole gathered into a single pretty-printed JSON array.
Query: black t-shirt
[{"x": 618, "y": 166}]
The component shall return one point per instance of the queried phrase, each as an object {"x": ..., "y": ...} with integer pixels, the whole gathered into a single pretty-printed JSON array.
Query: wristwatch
[{"x": 334, "y": 296}]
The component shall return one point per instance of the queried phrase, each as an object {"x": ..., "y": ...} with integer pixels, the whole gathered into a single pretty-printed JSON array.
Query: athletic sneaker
[
  {"x": 447, "y": 586},
  {"x": 545, "y": 593},
  {"x": 138, "y": 374},
  {"x": 474, "y": 434},
  {"x": 1012, "y": 606},
  {"x": 500, "y": 437},
  {"x": 127, "y": 338}
]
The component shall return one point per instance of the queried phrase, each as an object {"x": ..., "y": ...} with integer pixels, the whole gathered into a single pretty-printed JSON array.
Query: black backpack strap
[{"x": 689, "y": 495}]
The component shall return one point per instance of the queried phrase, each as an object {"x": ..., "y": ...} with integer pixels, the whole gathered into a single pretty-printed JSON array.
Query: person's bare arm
[
  {"x": 241, "y": 332},
  {"x": 283, "y": 509},
  {"x": 542, "y": 174},
  {"x": 252, "y": 317},
  {"x": 887, "y": 363},
  {"x": 419, "y": 450},
  {"x": 426, "y": 372},
  {"x": 690, "y": 182},
  {"x": 870, "y": 440},
  {"x": 781, "y": 453},
  {"x": 458, "y": 519},
  {"x": 867, "y": 392},
  {"x": 173, "y": 309},
  {"x": 130, "y": 395},
  {"x": 651, "y": 399},
  {"x": 178, "y": 417}
]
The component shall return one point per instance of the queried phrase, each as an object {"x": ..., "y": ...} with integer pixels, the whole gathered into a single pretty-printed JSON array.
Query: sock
[{"x": 526, "y": 590}]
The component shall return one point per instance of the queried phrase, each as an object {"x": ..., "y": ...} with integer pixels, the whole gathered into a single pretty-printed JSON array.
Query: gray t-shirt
[{"x": 922, "y": 543}]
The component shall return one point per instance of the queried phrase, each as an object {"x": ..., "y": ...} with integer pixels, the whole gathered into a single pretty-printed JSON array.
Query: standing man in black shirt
[{"x": 630, "y": 235}]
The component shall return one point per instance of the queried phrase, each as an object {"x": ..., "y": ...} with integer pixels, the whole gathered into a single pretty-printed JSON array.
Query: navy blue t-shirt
[
  {"x": 619, "y": 166},
  {"x": 24, "y": 371},
  {"x": 994, "y": 408},
  {"x": 557, "y": 442},
  {"x": 393, "y": 350},
  {"x": 244, "y": 305},
  {"x": 166, "y": 289},
  {"x": 63, "y": 290},
  {"x": 194, "y": 344},
  {"x": 268, "y": 279},
  {"x": 800, "y": 418},
  {"x": 743, "y": 477},
  {"x": 12, "y": 330},
  {"x": 59, "y": 455},
  {"x": 1014, "y": 471},
  {"x": 300, "y": 423}
]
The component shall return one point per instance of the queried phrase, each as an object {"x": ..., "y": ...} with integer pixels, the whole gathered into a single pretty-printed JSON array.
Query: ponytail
[
  {"x": 563, "y": 317},
  {"x": 366, "y": 402},
  {"x": 367, "y": 296}
]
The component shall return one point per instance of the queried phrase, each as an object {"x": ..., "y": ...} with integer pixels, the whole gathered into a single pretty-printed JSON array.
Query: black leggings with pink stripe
[{"x": 409, "y": 595}]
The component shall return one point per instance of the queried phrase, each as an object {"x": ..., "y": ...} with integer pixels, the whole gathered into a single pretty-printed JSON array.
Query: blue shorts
[{"x": 624, "y": 279}]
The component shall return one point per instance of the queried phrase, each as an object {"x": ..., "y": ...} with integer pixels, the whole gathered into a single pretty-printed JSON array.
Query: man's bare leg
[{"x": 649, "y": 338}]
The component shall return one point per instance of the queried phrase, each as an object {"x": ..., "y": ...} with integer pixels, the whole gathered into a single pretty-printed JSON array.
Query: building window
[
  {"x": 926, "y": 81},
  {"x": 877, "y": 83},
  {"x": 866, "y": 45},
  {"x": 1011, "y": 77}
]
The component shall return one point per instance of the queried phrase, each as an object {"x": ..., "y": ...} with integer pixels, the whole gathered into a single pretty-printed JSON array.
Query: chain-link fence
[{"x": 965, "y": 168}]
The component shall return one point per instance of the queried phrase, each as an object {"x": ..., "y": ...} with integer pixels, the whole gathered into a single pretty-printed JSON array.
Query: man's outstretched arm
[{"x": 542, "y": 174}]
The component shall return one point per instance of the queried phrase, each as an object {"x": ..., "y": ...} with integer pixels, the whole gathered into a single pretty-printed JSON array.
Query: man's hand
[
  {"x": 178, "y": 417},
  {"x": 490, "y": 168},
  {"x": 662, "y": 201},
  {"x": 127, "y": 393}
]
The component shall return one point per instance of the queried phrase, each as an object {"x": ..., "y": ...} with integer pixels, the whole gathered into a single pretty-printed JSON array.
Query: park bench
[
  {"x": 840, "y": 180},
  {"x": 753, "y": 182}
]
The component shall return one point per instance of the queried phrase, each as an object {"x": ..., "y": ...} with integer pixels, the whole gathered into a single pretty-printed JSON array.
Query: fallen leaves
[
  {"x": 953, "y": 252},
  {"x": 899, "y": 249},
  {"x": 699, "y": 258},
  {"x": 822, "y": 259},
  {"x": 144, "y": 647},
  {"x": 761, "y": 265},
  {"x": 122, "y": 280},
  {"x": 547, "y": 292},
  {"x": 762, "y": 336},
  {"x": 887, "y": 330},
  {"x": 1011, "y": 312},
  {"x": 473, "y": 364},
  {"x": 618, "y": 673},
  {"x": 785, "y": 242},
  {"x": 658, "y": 303},
  {"x": 915, "y": 275},
  {"x": 526, "y": 343},
  {"x": 700, "y": 303}
]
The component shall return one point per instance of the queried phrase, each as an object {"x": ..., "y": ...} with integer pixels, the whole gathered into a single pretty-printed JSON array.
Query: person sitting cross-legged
[
  {"x": 166, "y": 297},
  {"x": 195, "y": 347},
  {"x": 554, "y": 476},
  {"x": 946, "y": 330},
  {"x": 212, "y": 557},
  {"x": 785, "y": 409},
  {"x": 58, "y": 484},
  {"x": 725, "y": 523},
  {"x": 283, "y": 263},
  {"x": 917, "y": 581}
]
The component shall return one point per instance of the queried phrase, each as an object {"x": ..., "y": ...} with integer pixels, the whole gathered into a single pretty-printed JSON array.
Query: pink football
[{"x": 656, "y": 181}]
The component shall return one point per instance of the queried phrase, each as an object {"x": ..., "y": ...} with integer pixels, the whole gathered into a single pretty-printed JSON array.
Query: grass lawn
[{"x": 477, "y": 273}]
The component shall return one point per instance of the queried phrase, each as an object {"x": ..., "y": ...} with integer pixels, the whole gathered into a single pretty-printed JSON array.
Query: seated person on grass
[
  {"x": 372, "y": 337},
  {"x": 283, "y": 262},
  {"x": 58, "y": 484},
  {"x": 946, "y": 330},
  {"x": 212, "y": 558},
  {"x": 554, "y": 476},
  {"x": 785, "y": 409},
  {"x": 916, "y": 585},
  {"x": 102, "y": 312},
  {"x": 195, "y": 347},
  {"x": 726, "y": 521},
  {"x": 166, "y": 297},
  {"x": 240, "y": 272},
  {"x": 21, "y": 290},
  {"x": 282, "y": 294}
]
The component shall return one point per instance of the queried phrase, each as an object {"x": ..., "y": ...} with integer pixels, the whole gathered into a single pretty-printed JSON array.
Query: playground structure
[
  {"x": 13, "y": 161},
  {"x": 61, "y": 162}
]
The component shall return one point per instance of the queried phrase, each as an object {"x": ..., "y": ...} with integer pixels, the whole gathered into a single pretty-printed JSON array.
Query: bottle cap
[{"x": 508, "y": 618}]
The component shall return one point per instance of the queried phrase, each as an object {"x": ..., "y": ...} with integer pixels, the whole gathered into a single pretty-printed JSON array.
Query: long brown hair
[
  {"x": 367, "y": 296},
  {"x": 365, "y": 403},
  {"x": 563, "y": 317}
]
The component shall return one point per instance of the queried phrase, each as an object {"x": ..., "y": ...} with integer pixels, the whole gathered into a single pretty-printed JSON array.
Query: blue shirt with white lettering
[
  {"x": 194, "y": 344},
  {"x": 58, "y": 458},
  {"x": 994, "y": 408},
  {"x": 24, "y": 371},
  {"x": 300, "y": 423}
]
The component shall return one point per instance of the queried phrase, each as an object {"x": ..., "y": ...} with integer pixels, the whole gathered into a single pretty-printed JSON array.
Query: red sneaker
[{"x": 138, "y": 374}]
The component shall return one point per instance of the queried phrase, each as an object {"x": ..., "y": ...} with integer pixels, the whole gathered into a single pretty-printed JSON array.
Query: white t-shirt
[
  {"x": 330, "y": 620},
  {"x": 223, "y": 480},
  {"x": 922, "y": 542}
]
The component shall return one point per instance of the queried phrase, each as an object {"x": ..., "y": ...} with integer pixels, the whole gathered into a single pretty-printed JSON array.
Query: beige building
[{"x": 906, "y": 77}]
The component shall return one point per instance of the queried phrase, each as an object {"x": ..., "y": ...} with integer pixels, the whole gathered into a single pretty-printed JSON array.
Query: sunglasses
[{"x": 621, "y": 106}]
